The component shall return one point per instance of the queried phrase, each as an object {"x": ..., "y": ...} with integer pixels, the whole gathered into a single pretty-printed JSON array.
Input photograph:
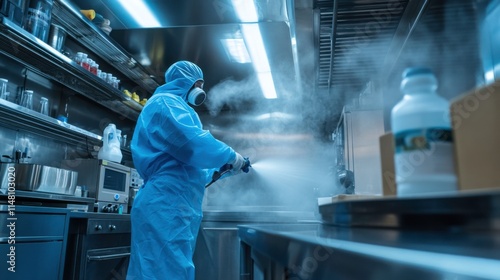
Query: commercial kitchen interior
[{"x": 316, "y": 203}]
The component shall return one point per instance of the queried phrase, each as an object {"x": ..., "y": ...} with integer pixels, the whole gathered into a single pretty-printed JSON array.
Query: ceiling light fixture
[
  {"x": 246, "y": 10},
  {"x": 252, "y": 35},
  {"x": 236, "y": 50},
  {"x": 253, "y": 38},
  {"x": 140, "y": 12}
]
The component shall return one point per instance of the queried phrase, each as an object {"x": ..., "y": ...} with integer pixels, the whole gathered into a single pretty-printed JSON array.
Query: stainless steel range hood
[{"x": 192, "y": 30}]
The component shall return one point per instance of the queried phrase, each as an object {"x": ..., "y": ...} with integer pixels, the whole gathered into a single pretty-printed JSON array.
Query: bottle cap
[{"x": 413, "y": 71}]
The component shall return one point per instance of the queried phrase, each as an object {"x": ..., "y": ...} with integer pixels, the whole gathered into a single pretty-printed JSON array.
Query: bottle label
[
  {"x": 421, "y": 152},
  {"x": 421, "y": 139}
]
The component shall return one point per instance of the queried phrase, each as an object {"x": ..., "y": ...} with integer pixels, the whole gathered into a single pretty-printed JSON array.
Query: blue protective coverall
[{"x": 175, "y": 157}]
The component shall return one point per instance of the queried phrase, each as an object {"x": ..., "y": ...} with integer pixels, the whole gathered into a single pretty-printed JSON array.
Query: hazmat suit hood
[{"x": 180, "y": 78}]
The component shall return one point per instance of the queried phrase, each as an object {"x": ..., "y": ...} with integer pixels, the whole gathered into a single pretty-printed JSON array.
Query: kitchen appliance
[
  {"x": 358, "y": 153},
  {"x": 108, "y": 182},
  {"x": 98, "y": 246},
  {"x": 37, "y": 177}
]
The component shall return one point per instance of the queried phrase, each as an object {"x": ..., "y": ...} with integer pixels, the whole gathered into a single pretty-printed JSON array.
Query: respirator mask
[{"x": 196, "y": 96}]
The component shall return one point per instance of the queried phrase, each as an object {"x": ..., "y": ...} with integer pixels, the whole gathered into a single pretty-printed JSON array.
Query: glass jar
[
  {"x": 3, "y": 88},
  {"x": 93, "y": 67},
  {"x": 78, "y": 58},
  {"x": 27, "y": 99},
  {"x": 103, "y": 75},
  {"x": 38, "y": 16},
  {"x": 113, "y": 82},
  {"x": 44, "y": 106},
  {"x": 109, "y": 78},
  {"x": 86, "y": 63}
]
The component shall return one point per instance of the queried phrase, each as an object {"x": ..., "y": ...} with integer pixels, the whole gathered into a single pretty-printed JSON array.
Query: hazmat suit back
[{"x": 173, "y": 155}]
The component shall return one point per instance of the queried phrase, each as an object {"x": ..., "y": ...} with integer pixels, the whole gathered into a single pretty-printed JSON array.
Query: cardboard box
[
  {"x": 386, "y": 143},
  {"x": 475, "y": 118}
]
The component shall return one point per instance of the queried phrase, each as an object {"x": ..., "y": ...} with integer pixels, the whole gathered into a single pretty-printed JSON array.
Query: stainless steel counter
[
  {"x": 217, "y": 253},
  {"x": 317, "y": 251},
  {"x": 478, "y": 209},
  {"x": 466, "y": 209},
  {"x": 259, "y": 214},
  {"x": 44, "y": 199}
]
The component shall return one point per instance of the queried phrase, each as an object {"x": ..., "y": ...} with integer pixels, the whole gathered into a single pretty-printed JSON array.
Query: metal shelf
[
  {"x": 20, "y": 117},
  {"x": 83, "y": 30},
  {"x": 41, "y": 58}
]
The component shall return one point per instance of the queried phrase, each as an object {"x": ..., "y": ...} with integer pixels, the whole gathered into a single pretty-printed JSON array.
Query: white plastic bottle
[
  {"x": 110, "y": 149},
  {"x": 424, "y": 159}
]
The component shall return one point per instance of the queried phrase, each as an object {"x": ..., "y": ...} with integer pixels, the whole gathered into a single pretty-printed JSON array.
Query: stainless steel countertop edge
[{"x": 291, "y": 248}]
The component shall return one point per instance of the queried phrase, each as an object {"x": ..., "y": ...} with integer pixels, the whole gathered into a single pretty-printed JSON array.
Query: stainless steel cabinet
[
  {"x": 217, "y": 253},
  {"x": 39, "y": 244}
]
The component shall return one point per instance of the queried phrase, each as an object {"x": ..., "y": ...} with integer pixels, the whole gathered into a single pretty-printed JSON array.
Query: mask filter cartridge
[{"x": 196, "y": 96}]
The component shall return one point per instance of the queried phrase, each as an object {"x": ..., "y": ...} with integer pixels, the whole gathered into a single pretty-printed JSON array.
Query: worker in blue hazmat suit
[{"x": 175, "y": 157}]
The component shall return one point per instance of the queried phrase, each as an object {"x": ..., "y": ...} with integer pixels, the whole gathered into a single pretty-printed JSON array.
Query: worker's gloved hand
[
  {"x": 240, "y": 164},
  {"x": 237, "y": 164}
]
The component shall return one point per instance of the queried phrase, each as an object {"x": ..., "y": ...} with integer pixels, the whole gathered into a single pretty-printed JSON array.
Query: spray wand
[{"x": 226, "y": 168}]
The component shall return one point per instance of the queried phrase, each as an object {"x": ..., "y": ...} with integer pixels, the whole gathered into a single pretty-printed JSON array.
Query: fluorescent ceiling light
[
  {"x": 236, "y": 50},
  {"x": 140, "y": 12},
  {"x": 246, "y": 10},
  {"x": 251, "y": 32},
  {"x": 267, "y": 85},
  {"x": 253, "y": 38}
]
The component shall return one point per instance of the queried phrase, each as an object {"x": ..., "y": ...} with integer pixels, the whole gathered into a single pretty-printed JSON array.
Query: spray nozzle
[
  {"x": 226, "y": 168},
  {"x": 246, "y": 166}
]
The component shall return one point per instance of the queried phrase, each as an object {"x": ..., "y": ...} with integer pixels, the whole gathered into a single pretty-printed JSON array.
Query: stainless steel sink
[{"x": 36, "y": 177}]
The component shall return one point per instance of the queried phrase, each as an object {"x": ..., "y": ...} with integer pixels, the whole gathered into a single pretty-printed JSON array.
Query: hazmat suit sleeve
[{"x": 179, "y": 133}]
